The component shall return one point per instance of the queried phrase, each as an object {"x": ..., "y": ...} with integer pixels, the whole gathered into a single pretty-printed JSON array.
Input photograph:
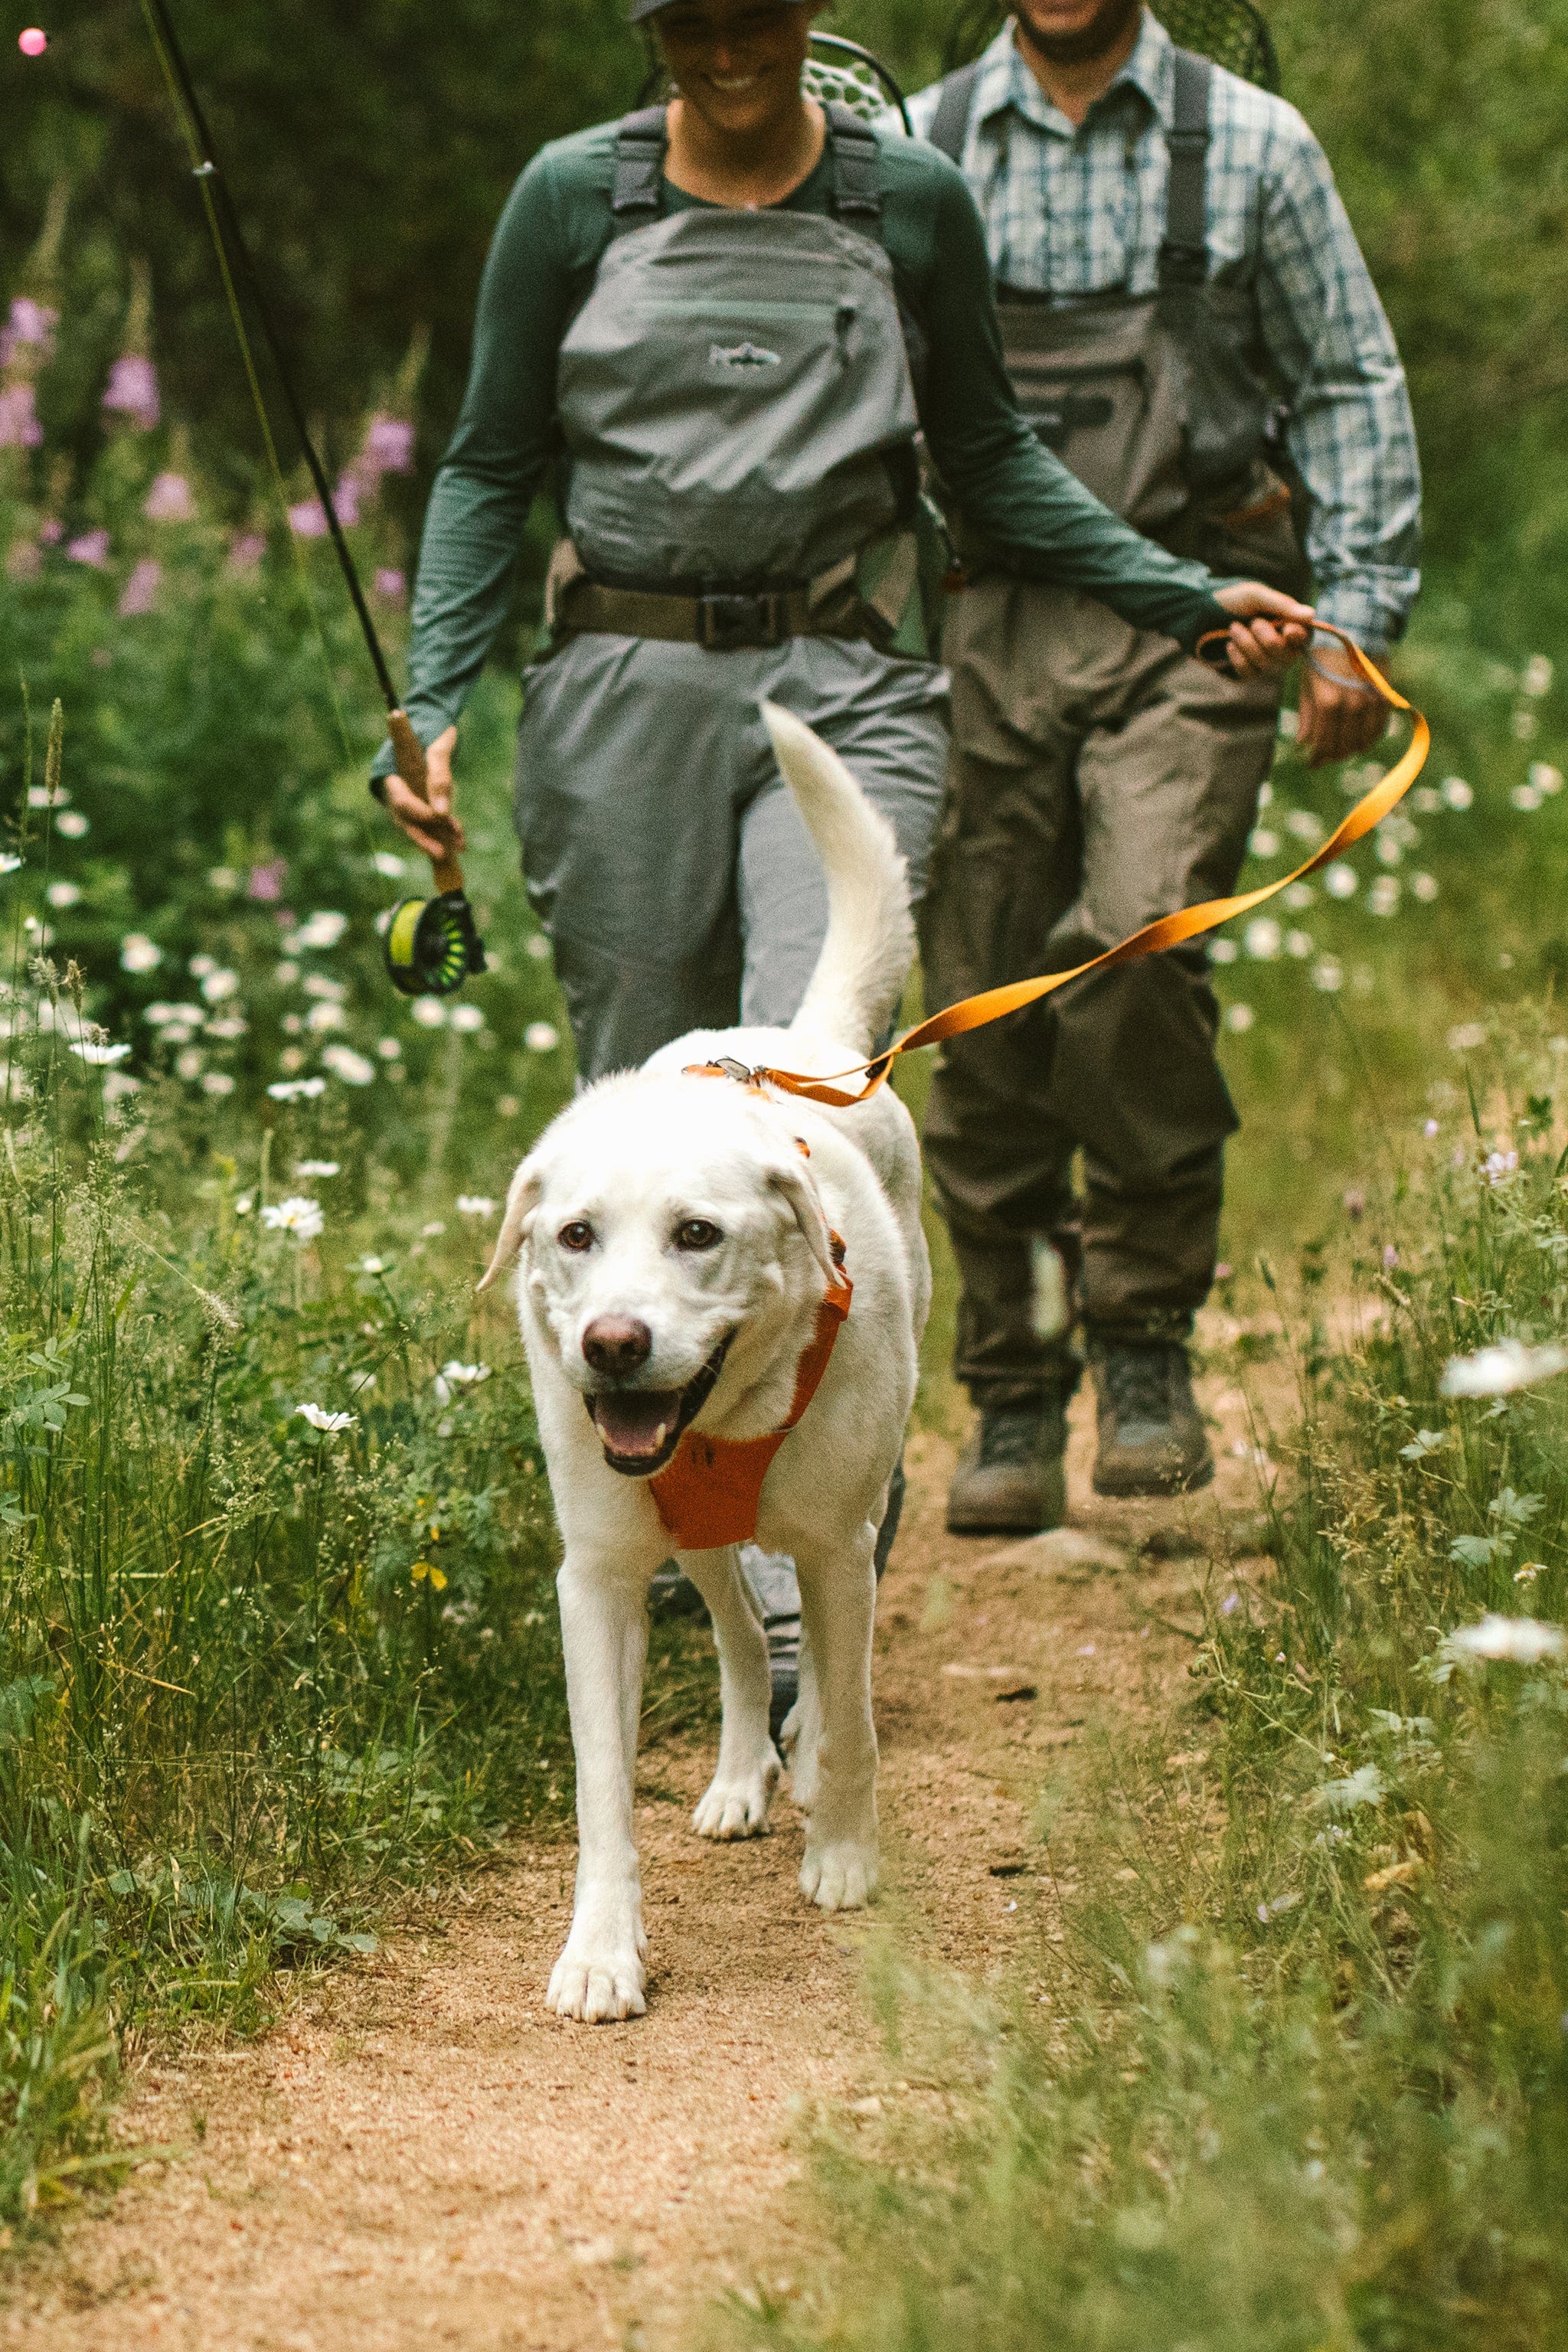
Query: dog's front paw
[
  {"x": 596, "y": 1983},
  {"x": 841, "y": 1876},
  {"x": 738, "y": 1807}
]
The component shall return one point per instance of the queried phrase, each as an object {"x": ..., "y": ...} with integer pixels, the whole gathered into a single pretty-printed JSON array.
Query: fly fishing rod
[{"x": 431, "y": 944}]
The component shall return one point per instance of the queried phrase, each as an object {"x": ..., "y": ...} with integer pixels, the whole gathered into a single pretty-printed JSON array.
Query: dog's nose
[{"x": 616, "y": 1344}]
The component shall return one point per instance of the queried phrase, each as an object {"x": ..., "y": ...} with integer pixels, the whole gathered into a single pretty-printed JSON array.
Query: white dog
[{"x": 679, "y": 1239}]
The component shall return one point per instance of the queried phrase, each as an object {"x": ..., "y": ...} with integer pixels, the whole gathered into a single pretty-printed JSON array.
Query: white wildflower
[
  {"x": 1537, "y": 678},
  {"x": 218, "y": 1082},
  {"x": 1261, "y": 937},
  {"x": 1300, "y": 944},
  {"x": 540, "y": 1037},
  {"x": 1457, "y": 793},
  {"x": 190, "y": 1063},
  {"x": 1498, "y": 1165},
  {"x": 8, "y": 864},
  {"x": 354, "y": 1069},
  {"x": 475, "y": 1205},
  {"x": 318, "y": 1167},
  {"x": 370, "y": 1265},
  {"x": 389, "y": 1049},
  {"x": 1339, "y": 881},
  {"x": 1545, "y": 778},
  {"x": 387, "y": 862},
  {"x": 297, "y": 1216},
  {"x": 1262, "y": 843},
  {"x": 216, "y": 985},
  {"x": 458, "y": 1376},
  {"x": 1424, "y": 886},
  {"x": 200, "y": 965},
  {"x": 101, "y": 1055},
  {"x": 1239, "y": 1017},
  {"x": 1466, "y": 1037},
  {"x": 468, "y": 1016},
  {"x": 160, "y": 1015},
  {"x": 63, "y": 894},
  {"x": 1223, "y": 950},
  {"x": 138, "y": 953},
  {"x": 72, "y": 823},
  {"x": 1305, "y": 824},
  {"x": 322, "y": 930},
  {"x": 428, "y": 1010},
  {"x": 1383, "y": 895},
  {"x": 297, "y": 1089},
  {"x": 1498, "y": 1371},
  {"x": 538, "y": 945},
  {"x": 1520, "y": 1641},
  {"x": 330, "y": 1422},
  {"x": 325, "y": 1015}
]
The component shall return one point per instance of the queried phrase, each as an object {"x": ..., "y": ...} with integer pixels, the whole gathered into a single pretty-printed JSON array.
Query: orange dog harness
[{"x": 710, "y": 1489}]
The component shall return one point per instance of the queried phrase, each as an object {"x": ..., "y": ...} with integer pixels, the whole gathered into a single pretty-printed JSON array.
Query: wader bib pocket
[{"x": 735, "y": 401}]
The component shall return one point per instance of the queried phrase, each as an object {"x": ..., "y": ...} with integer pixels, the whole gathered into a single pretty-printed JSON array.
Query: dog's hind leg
[
  {"x": 604, "y": 1628},
  {"x": 838, "y": 1599},
  {"x": 801, "y": 1733},
  {"x": 741, "y": 1789}
]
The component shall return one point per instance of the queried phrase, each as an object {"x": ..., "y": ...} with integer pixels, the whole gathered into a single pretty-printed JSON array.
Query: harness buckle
[{"x": 733, "y": 623}]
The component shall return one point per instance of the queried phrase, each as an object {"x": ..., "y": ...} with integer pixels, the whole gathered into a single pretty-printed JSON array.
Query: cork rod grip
[{"x": 409, "y": 753}]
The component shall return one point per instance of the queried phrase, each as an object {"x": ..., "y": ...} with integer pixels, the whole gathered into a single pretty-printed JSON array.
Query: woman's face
[{"x": 737, "y": 62}]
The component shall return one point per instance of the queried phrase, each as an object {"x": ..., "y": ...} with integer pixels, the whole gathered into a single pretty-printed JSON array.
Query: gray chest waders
[
  {"x": 1159, "y": 403},
  {"x": 739, "y": 418}
]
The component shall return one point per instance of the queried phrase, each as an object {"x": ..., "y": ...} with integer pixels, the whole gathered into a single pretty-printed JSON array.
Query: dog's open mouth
[{"x": 639, "y": 1429}]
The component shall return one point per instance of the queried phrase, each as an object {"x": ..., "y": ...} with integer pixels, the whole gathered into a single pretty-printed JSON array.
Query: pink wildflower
[
  {"x": 92, "y": 548},
  {"x": 51, "y": 531},
  {"x": 30, "y": 323},
  {"x": 390, "y": 582},
  {"x": 307, "y": 519},
  {"x": 132, "y": 391},
  {"x": 345, "y": 498},
  {"x": 19, "y": 425},
  {"x": 388, "y": 446},
  {"x": 266, "y": 882},
  {"x": 140, "y": 591},
  {"x": 246, "y": 552},
  {"x": 170, "y": 500}
]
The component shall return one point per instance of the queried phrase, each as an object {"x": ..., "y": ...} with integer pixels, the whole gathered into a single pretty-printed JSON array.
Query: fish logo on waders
[{"x": 741, "y": 359}]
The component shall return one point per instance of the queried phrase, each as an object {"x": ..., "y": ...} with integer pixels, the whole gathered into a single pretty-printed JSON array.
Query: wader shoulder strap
[
  {"x": 1183, "y": 249},
  {"x": 949, "y": 123},
  {"x": 637, "y": 196},
  {"x": 857, "y": 181}
]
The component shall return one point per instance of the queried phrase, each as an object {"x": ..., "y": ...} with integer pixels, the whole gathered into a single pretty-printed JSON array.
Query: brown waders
[{"x": 1100, "y": 778}]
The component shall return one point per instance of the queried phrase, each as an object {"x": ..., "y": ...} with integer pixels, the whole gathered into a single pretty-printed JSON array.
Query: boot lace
[{"x": 1138, "y": 1381}]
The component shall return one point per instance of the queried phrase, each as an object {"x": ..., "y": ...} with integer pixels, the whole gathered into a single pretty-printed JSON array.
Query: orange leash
[{"x": 1170, "y": 932}]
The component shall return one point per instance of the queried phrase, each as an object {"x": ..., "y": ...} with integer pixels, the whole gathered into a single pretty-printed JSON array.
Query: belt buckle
[{"x": 731, "y": 624}]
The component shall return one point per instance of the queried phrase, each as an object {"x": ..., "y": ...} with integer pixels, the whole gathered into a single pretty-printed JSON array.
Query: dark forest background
[{"x": 371, "y": 145}]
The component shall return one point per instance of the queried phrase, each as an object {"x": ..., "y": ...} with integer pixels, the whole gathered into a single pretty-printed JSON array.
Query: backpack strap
[
  {"x": 1183, "y": 249},
  {"x": 637, "y": 196},
  {"x": 857, "y": 177},
  {"x": 949, "y": 123}
]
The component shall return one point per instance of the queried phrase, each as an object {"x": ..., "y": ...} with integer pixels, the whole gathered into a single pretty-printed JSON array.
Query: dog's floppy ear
[
  {"x": 520, "y": 1203},
  {"x": 795, "y": 1181}
]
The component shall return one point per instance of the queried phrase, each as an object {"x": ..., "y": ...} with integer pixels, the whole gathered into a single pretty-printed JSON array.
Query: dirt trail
[{"x": 421, "y": 2154}]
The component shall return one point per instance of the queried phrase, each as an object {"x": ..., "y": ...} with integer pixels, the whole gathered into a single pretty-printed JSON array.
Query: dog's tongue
[{"x": 634, "y": 1424}]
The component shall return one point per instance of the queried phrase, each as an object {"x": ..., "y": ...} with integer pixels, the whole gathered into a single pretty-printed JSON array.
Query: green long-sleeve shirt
[{"x": 553, "y": 234}]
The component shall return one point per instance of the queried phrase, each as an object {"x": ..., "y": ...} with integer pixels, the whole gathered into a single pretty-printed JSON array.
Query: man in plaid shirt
[{"x": 1201, "y": 341}]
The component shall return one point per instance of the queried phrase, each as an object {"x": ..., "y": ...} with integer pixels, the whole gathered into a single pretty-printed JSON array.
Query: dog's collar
[{"x": 711, "y": 1490}]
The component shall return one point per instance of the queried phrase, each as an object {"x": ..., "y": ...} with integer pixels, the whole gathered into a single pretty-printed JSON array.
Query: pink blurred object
[
  {"x": 132, "y": 391},
  {"x": 141, "y": 591},
  {"x": 19, "y": 425},
  {"x": 246, "y": 553},
  {"x": 267, "y": 881},
  {"x": 91, "y": 547},
  {"x": 170, "y": 500},
  {"x": 345, "y": 498},
  {"x": 51, "y": 531},
  {"x": 307, "y": 519},
  {"x": 389, "y": 582},
  {"x": 33, "y": 42},
  {"x": 388, "y": 446},
  {"x": 31, "y": 323}
]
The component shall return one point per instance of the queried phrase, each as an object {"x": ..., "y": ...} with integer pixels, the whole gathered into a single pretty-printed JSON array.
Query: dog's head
[{"x": 658, "y": 1220}]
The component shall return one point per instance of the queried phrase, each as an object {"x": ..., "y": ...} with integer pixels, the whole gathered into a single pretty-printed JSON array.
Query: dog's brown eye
[
  {"x": 697, "y": 1233},
  {"x": 577, "y": 1235}
]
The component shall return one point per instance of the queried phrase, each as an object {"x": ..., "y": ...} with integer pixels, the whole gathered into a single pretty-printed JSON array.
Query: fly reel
[{"x": 432, "y": 946}]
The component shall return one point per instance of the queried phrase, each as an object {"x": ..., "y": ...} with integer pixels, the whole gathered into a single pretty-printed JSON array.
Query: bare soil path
[{"x": 420, "y": 2155}]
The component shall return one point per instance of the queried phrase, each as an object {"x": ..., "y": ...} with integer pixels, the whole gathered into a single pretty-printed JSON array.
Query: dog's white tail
[{"x": 870, "y": 944}]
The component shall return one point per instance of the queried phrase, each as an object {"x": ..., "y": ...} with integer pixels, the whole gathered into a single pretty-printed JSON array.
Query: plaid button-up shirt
[{"x": 1071, "y": 211}]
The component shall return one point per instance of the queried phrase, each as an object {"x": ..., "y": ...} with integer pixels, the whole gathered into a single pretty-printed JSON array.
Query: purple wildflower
[
  {"x": 388, "y": 446},
  {"x": 307, "y": 519},
  {"x": 390, "y": 582},
  {"x": 170, "y": 500},
  {"x": 246, "y": 552},
  {"x": 132, "y": 391},
  {"x": 51, "y": 531},
  {"x": 19, "y": 425},
  {"x": 31, "y": 323},
  {"x": 141, "y": 591},
  {"x": 266, "y": 882},
  {"x": 92, "y": 548}
]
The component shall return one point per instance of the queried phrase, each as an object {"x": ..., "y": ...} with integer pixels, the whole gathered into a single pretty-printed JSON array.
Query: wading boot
[
  {"x": 1010, "y": 1479},
  {"x": 1151, "y": 1436}
]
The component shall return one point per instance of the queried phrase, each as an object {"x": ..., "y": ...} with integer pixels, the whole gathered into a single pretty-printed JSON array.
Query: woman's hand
[
  {"x": 1269, "y": 630},
  {"x": 429, "y": 823}
]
